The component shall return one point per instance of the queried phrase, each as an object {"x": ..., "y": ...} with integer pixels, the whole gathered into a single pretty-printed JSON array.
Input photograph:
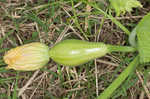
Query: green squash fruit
[{"x": 75, "y": 52}]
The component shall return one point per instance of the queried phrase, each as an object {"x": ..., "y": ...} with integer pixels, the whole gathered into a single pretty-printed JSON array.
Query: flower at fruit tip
[
  {"x": 121, "y": 6},
  {"x": 27, "y": 57}
]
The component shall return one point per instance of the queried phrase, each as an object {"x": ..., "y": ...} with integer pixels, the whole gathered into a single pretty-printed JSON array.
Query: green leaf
[
  {"x": 143, "y": 36},
  {"x": 122, "y": 6}
]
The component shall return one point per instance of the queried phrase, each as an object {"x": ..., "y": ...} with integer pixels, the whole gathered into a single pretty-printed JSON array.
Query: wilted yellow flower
[{"x": 27, "y": 57}]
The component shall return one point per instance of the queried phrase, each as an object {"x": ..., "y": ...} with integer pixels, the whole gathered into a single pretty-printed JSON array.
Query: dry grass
[{"x": 25, "y": 21}]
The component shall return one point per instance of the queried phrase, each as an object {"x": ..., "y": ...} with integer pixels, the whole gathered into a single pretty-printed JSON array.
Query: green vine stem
[
  {"x": 115, "y": 48},
  {"x": 116, "y": 83}
]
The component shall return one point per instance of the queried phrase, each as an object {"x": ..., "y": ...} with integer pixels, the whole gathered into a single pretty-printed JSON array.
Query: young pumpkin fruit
[{"x": 76, "y": 52}]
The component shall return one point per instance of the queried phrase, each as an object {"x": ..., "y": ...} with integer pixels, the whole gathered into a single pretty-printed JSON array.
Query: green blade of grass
[
  {"x": 3, "y": 50},
  {"x": 76, "y": 20},
  {"x": 35, "y": 18},
  {"x": 4, "y": 80},
  {"x": 16, "y": 87},
  {"x": 109, "y": 16},
  {"x": 115, "y": 84},
  {"x": 2, "y": 39}
]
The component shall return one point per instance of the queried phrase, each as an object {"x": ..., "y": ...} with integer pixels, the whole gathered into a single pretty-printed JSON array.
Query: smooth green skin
[{"x": 75, "y": 52}]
